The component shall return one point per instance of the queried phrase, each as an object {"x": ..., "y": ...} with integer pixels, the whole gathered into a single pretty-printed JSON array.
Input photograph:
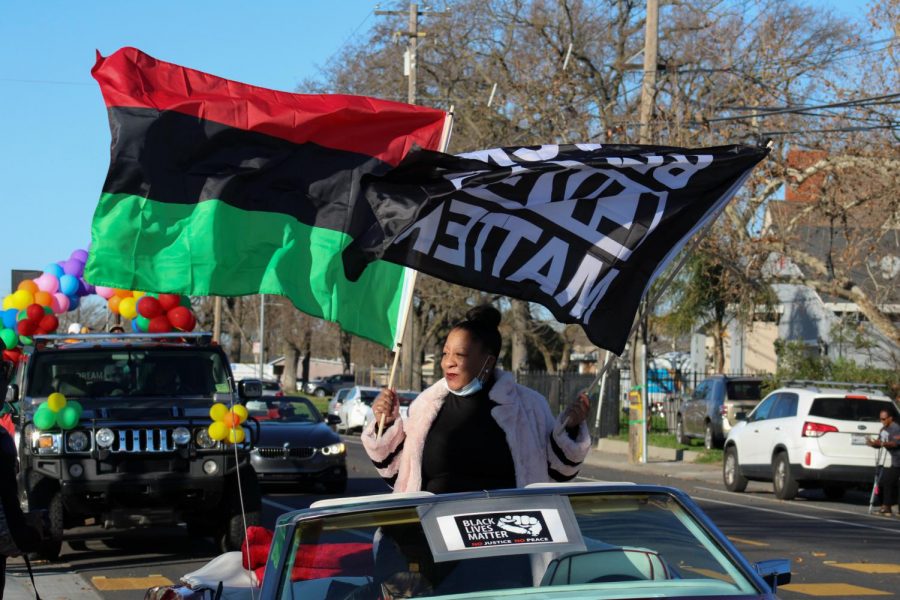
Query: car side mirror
[
  {"x": 12, "y": 393},
  {"x": 775, "y": 572},
  {"x": 250, "y": 389},
  {"x": 332, "y": 419}
]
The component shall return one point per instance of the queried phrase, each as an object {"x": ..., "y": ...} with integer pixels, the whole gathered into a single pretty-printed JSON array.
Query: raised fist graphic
[{"x": 520, "y": 524}]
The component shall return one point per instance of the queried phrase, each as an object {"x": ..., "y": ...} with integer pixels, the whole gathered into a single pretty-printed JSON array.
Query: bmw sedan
[{"x": 297, "y": 445}]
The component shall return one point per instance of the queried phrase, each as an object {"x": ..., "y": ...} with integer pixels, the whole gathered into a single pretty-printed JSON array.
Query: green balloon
[
  {"x": 23, "y": 314},
  {"x": 143, "y": 323},
  {"x": 9, "y": 338},
  {"x": 75, "y": 404},
  {"x": 48, "y": 310},
  {"x": 184, "y": 301},
  {"x": 67, "y": 417},
  {"x": 26, "y": 341},
  {"x": 44, "y": 418}
]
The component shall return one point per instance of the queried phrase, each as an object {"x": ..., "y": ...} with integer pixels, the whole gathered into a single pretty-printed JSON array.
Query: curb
[
  {"x": 53, "y": 582},
  {"x": 653, "y": 452}
]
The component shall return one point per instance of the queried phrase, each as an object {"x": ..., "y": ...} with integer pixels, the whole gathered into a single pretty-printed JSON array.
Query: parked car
[
  {"x": 405, "y": 396},
  {"x": 806, "y": 436},
  {"x": 549, "y": 541},
  {"x": 353, "y": 410},
  {"x": 334, "y": 405},
  {"x": 327, "y": 386},
  {"x": 272, "y": 388},
  {"x": 297, "y": 445},
  {"x": 717, "y": 403}
]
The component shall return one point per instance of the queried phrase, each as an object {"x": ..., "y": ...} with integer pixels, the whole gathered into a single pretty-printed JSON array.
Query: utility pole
[
  {"x": 410, "y": 58},
  {"x": 217, "y": 318},
  {"x": 638, "y": 415}
]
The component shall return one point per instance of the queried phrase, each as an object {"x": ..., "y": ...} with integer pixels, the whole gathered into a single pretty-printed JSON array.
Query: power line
[{"x": 859, "y": 102}]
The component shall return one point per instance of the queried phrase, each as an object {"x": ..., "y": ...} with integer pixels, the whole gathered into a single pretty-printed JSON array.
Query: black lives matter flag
[{"x": 580, "y": 229}]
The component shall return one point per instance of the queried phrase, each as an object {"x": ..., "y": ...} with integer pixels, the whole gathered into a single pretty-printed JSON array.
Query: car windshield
[
  {"x": 121, "y": 377},
  {"x": 850, "y": 409},
  {"x": 629, "y": 545},
  {"x": 293, "y": 410},
  {"x": 743, "y": 390}
]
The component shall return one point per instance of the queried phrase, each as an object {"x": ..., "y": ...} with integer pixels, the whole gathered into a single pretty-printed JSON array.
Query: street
[{"x": 836, "y": 549}]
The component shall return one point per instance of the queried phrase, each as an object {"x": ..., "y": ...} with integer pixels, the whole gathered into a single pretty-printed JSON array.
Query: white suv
[{"x": 807, "y": 436}]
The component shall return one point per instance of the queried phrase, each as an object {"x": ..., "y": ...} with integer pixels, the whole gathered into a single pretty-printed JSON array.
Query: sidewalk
[
  {"x": 662, "y": 462},
  {"x": 54, "y": 582}
]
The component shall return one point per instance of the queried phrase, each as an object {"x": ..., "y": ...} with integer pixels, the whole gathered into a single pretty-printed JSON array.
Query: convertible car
[{"x": 569, "y": 541}]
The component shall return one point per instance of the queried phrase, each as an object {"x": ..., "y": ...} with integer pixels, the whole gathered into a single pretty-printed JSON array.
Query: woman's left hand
[{"x": 577, "y": 410}]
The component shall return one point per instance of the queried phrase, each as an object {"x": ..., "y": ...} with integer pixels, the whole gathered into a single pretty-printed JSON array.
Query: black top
[
  {"x": 465, "y": 449},
  {"x": 26, "y": 537}
]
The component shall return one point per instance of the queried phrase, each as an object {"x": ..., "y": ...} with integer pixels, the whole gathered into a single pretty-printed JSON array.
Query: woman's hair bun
[{"x": 486, "y": 315}]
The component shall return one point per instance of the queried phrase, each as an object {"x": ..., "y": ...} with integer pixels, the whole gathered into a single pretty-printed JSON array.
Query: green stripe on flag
[{"x": 211, "y": 248}]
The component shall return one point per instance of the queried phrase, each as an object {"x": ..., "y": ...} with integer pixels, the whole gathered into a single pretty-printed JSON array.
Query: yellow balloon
[
  {"x": 217, "y": 411},
  {"x": 236, "y": 435},
  {"x": 8, "y": 302},
  {"x": 218, "y": 431},
  {"x": 138, "y": 295},
  {"x": 240, "y": 412},
  {"x": 128, "y": 307},
  {"x": 22, "y": 299},
  {"x": 56, "y": 401}
]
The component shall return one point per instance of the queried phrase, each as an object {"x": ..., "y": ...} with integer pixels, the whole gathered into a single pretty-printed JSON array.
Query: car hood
[{"x": 273, "y": 433}]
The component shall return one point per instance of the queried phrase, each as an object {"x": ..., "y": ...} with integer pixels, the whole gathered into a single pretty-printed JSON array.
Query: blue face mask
[{"x": 472, "y": 387}]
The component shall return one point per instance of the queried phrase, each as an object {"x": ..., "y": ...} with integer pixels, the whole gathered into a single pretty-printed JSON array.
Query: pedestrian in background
[
  {"x": 16, "y": 534},
  {"x": 889, "y": 439}
]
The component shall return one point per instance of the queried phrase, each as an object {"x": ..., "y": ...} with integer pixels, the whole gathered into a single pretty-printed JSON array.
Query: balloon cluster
[
  {"x": 20, "y": 325},
  {"x": 226, "y": 425},
  {"x": 57, "y": 412},
  {"x": 60, "y": 287},
  {"x": 150, "y": 312}
]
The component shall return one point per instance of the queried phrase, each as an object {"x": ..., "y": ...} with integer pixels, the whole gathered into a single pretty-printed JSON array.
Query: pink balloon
[
  {"x": 47, "y": 282},
  {"x": 105, "y": 292},
  {"x": 60, "y": 301}
]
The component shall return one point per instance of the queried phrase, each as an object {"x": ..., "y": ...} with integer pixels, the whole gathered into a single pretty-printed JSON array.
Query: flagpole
[{"x": 406, "y": 301}]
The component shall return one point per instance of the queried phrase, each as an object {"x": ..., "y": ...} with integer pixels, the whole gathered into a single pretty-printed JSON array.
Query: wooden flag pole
[{"x": 406, "y": 303}]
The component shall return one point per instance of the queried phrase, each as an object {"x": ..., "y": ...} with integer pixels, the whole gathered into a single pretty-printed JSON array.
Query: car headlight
[
  {"x": 202, "y": 439},
  {"x": 45, "y": 443},
  {"x": 333, "y": 449},
  {"x": 105, "y": 437},
  {"x": 77, "y": 441},
  {"x": 181, "y": 436}
]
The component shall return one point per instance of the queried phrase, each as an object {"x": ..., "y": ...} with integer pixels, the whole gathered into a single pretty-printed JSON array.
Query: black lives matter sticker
[{"x": 503, "y": 529}]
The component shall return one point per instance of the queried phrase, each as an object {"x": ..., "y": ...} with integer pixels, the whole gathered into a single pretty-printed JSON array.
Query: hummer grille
[{"x": 143, "y": 440}]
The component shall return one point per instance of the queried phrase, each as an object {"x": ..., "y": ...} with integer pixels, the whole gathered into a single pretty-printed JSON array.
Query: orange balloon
[
  {"x": 121, "y": 293},
  {"x": 43, "y": 298},
  {"x": 230, "y": 420},
  {"x": 113, "y": 304},
  {"x": 29, "y": 285}
]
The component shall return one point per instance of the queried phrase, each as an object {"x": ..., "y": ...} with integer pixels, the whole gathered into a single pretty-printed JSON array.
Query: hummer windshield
[{"x": 118, "y": 376}]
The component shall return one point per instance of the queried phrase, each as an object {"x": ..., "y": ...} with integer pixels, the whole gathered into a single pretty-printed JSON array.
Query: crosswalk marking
[
  {"x": 832, "y": 589},
  {"x": 870, "y": 568},
  {"x": 115, "y": 584}
]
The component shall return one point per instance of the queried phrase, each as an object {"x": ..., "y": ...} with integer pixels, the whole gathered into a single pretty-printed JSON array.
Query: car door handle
[{"x": 778, "y": 429}]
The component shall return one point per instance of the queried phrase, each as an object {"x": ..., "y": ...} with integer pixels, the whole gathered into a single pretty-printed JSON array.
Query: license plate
[{"x": 858, "y": 439}]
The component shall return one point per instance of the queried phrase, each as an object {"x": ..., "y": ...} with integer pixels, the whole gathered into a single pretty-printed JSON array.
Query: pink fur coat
[{"x": 541, "y": 448}]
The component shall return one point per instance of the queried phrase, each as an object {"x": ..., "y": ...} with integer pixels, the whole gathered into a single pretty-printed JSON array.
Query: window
[
  {"x": 743, "y": 390},
  {"x": 786, "y": 406},
  {"x": 850, "y": 409},
  {"x": 700, "y": 391},
  {"x": 765, "y": 407}
]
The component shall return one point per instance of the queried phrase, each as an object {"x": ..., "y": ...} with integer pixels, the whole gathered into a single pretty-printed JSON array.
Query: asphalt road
[{"x": 836, "y": 548}]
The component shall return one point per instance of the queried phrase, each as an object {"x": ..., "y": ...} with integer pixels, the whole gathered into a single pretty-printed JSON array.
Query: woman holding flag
[{"x": 476, "y": 428}]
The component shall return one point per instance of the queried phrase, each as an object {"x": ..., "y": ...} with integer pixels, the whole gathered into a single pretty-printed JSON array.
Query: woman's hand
[
  {"x": 577, "y": 411},
  {"x": 386, "y": 405}
]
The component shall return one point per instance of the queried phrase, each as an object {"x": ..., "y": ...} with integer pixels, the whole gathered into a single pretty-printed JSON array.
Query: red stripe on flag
[{"x": 378, "y": 128}]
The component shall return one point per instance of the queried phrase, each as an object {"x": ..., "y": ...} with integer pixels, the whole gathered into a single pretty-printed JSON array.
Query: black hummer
[{"x": 141, "y": 453}]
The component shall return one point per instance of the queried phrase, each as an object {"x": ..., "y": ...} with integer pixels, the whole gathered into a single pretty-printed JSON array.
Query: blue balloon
[
  {"x": 73, "y": 302},
  {"x": 134, "y": 326},
  {"x": 55, "y": 269},
  {"x": 9, "y": 318},
  {"x": 68, "y": 285}
]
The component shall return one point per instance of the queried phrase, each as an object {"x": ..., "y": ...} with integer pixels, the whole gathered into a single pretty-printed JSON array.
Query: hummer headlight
[
  {"x": 333, "y": 449},
  {"x": 45, "y": 443},
  {"x": 202, "y": 439},
  {"x": 77, "y": 441},
  {"x": 105, "y": 437},
  {"x": 181, "y": 436}
]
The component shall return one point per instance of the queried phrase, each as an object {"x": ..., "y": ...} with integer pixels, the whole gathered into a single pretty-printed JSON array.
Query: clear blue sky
[{"x": 54, "y": 150}]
